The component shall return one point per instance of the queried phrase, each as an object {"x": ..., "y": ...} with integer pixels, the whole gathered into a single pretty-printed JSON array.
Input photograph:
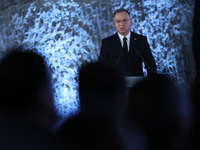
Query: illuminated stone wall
[{"x": 69, "y": 32}]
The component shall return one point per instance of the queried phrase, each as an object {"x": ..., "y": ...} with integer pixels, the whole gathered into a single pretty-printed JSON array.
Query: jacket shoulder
[
  {"x": 110, "y": 37},
  {"x": 139, "y": 35}
]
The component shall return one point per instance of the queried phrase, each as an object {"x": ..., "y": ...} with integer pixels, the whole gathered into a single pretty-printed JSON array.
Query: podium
[{"x": 131, "y": 81}]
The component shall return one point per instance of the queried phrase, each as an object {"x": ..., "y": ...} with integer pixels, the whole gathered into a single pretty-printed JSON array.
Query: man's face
[{"x": 122, "y": 23}]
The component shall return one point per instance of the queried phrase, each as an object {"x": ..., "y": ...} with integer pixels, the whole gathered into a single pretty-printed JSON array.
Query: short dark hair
[{"x": 121, "y": 10}]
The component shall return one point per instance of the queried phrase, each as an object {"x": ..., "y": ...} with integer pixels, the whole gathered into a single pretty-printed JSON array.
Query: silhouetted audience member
[
  {"x": 161, "y": 111},
  {"x": 102, "y": 101},
  {"x": 194, "y": 142},
  {"x": 26, "y": 102},
  {"x": 101, "y": 90},
  {"x": 89, "y": 132}
]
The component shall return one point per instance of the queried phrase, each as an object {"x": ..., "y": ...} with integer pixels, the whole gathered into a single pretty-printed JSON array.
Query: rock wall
[{"x": 68, "y": 33}]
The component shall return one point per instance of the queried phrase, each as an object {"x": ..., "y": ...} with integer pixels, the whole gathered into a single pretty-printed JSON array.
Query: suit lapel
[
  {"x": 118, "y": 46},
  {"x": 133, "y": 43}
]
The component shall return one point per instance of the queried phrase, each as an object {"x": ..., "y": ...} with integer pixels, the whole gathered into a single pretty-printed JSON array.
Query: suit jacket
[{"x": 112, "y": 54}]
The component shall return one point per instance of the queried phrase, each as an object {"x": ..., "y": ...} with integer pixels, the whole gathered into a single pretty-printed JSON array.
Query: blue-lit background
[{"x": 69, "y": 32}]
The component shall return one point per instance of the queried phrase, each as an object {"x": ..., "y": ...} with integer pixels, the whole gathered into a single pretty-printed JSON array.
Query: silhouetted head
[
  {"x": 101, "y": 88},
  {"x": 25, "y": 83},
  {"x": 156, "y": 105}
]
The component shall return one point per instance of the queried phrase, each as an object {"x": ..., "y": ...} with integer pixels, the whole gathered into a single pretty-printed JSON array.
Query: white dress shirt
[{"x": 121, "y": 37}]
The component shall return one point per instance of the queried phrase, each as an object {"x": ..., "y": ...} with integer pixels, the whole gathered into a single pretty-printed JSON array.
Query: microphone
[
  {"x": 118, "y": 59},
  {"x": 144, "y": 61}
]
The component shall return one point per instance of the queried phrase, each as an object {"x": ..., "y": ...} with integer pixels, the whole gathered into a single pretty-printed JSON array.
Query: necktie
[{"x": 125, "y": 47}]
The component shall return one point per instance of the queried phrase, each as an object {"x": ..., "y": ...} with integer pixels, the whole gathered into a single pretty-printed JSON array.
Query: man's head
[
  {"x": 25, "y": 84},
  {"x": 161, "y": 110},
  {"x": 122, "y": 21},
  {"x": 101, "y": 88}
]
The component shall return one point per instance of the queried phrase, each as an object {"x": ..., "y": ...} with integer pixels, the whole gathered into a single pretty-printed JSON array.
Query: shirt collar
[{"x": 128, "y": 36}]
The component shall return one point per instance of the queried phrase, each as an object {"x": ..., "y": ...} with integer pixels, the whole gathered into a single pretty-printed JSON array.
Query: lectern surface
[{"x": 133, "y": 80}]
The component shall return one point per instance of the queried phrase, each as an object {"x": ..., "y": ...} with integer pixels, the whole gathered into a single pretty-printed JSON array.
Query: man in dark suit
[{"x": 127, "y": 50}]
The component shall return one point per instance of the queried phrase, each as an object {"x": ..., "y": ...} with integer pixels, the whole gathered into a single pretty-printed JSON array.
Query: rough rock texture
[
  {"x": 4, "y": 4},
  {"x": 69, "y": 32}
]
